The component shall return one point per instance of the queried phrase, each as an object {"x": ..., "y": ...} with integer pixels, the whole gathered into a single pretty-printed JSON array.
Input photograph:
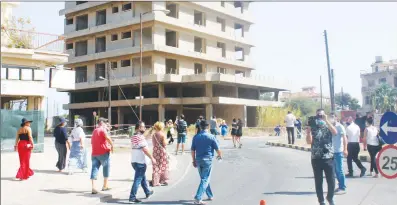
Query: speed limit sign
[{"x": 387, "y": 161}]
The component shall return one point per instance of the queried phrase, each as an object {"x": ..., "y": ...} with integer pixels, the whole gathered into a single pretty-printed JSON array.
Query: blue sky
[{"x": 289, "y": 40}]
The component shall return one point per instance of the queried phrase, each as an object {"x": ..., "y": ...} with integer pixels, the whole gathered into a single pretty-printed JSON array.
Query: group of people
[{"x": 330, "y": 142}]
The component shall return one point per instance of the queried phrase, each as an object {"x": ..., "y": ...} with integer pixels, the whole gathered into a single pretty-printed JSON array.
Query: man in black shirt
[{"x": 319, "y": 135}]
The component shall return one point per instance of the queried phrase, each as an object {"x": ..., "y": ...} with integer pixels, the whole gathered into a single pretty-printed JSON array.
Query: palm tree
[{"x": 384, "y": 98}]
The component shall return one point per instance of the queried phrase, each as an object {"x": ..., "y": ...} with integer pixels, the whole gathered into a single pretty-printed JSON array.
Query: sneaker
[
  {"x": 376, "y": 176},
  {"x": 198, "y": 202},
  {"x": 331, "y": 202},
  {"x": 150, "y": 194},
  {"x": 94, "y": 191},
  {"x": 210, "y": 199},
  {"x": 322, "y": 203},
  {"x": 235, "y": 146},
  {"x": 340, "y": 192},
  {"x": 135, "y": 201},
  {"x": 240, "y": 146},
  {"x": 349, "y": 175},
  {"x": 363, "y": 172}
]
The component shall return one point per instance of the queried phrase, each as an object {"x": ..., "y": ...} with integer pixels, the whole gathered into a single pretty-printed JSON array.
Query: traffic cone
[{"x": 262, "y": 202}]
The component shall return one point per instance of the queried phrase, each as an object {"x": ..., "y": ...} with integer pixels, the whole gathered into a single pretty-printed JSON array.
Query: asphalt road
[{"x": 278, "y": 175}]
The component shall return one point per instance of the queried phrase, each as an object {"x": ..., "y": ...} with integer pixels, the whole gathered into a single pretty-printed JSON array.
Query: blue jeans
[
  {"x": 204, "y": 167},
  {"x": 97, "y": 161},
  {"x": 340, "y": 176},
  {"x": 139, "y": 179}
]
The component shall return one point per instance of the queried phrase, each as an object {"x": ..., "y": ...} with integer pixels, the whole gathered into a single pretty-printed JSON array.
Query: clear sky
[{"x": 289, "y": 41}]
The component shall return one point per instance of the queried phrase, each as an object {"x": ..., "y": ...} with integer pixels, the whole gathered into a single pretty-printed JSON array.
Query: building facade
[
  {"x": 24, "y": 56},
  {"x": 196, "y": 61},
  {"x": 381, "y": 72},
  {"x": 306, "y": 93}
]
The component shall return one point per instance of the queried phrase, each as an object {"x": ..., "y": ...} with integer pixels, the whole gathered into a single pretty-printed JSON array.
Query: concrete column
[
  {"x": 161, "y": 91},
  {"x": 30, "y": 105},
  {"x": 259, "y": 94},
  {"x": 119, "y": 95},
  {"x": 179, "y": 110},
  {"x": 120, "y": 115},
  {"x": 208, "y": 90},
  {"x": 244, "y": 116},
  {"x": 179, "y": 91},
  {"x": 276, "y": 95},
  {"x": 236, "y": 92},
  {"x": 209, "y": 111},
  {"x": 161, "y": 111}
]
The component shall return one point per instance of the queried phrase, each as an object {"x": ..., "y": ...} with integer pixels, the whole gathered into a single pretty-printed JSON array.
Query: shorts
[
  {"x": 234, "y": 132},
  {"x": 97, "y": 161},
  {"x": 214, "y": 131},
  {"x": 182, "y": 138}
]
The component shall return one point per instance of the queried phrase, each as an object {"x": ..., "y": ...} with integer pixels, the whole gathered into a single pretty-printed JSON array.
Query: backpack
[{"x": 181, "y": 127}]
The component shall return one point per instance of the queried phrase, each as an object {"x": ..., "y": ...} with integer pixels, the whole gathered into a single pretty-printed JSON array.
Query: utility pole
[
  {"x": 109, "y": 94},
  {"x": 321, "y": 92},
  {"x": 330, "y": 78},
  {"x": 342, "y": 98},
  {"x": 140, "y": 62}
]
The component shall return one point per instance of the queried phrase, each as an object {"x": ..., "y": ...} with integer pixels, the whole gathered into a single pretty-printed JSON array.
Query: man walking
[
  {"x": 353, "y": 147},
  {"x": 181, "y": 128},
  {"x": 319, "y": 135},
  {"x": 139, "y": 160},
  {"x": 102, "y": 145},
  {"x": 340, "y": 150},
  {"x": 290, "y": 124},
  {"x": 214, "y": 126},
  {"x": 203, "y": 147}
]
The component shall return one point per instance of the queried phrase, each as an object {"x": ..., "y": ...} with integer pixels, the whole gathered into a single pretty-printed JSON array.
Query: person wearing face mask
[
  {"x": 319, "y": 134},
  {"x": 140, "y": 156},
  {"x": 353, "y": 147},
  {"x": 339, "y": 142}
]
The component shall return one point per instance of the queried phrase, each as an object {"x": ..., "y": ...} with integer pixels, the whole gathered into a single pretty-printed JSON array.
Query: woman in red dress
[
  {"x": 160, "y": 169},
  {"x": 24, "y": 146}
]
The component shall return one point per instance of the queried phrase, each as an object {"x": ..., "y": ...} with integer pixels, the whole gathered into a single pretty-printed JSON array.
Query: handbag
[{"x": 165, "y": 150}]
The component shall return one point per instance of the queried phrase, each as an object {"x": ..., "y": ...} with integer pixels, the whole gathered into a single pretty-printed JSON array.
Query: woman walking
[
  {"x": 372, "y": 141},
  {"x": 223, "y": 127},
  {"x": 24, "y": 146},
  {"x": 239, "y": 132},
  {"x": 78, "y": 152},
  {"x": 160, "y": 169},
  {"x": 61, "y": 144},
  {"x": 234, "y": 131}
]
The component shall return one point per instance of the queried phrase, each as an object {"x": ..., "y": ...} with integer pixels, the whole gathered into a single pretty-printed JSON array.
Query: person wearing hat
[
  {"x": 101, "y": 145},
  {"x": 61, "y": 143},
  {"x": 203, "y": 146},
  {"x": 24, "y": 146},
  {"x": 78, "y": 152}
]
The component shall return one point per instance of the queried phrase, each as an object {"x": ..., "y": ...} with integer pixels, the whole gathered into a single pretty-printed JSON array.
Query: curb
[{"x": 308, "y": 149}]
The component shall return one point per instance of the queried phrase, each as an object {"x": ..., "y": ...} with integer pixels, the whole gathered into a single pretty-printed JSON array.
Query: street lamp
[
  {"x": 141, "y": 57},
  {"x": 109, "y": 93}
]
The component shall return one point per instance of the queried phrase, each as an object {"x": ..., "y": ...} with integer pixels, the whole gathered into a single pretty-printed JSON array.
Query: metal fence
[{"x": 10, "y": 122}]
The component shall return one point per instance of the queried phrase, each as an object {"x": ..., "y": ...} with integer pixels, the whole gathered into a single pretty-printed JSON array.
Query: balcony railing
[{"x": 15, "y": 38}]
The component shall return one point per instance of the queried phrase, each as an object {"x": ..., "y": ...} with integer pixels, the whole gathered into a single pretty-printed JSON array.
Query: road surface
[{"x": 278, "y": 175}]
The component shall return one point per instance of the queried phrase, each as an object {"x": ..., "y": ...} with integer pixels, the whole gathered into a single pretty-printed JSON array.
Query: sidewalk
[
  {"x": 300, "y": 144},
  {"x": 47, "y": 186}
]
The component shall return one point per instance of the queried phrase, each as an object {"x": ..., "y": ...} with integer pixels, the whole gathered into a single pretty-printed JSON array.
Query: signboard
[
  {"x": 62, "y": 79},
  {"x": 386, "y": 162},
  {"x": 388, "y": 129}
]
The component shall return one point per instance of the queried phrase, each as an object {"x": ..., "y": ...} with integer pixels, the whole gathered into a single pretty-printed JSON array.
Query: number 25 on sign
[{"x": 387, "y": 162}]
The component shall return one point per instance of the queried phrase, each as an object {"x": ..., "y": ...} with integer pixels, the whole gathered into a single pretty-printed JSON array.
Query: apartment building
[
  {"x": 381, "y": 72},
  {"x": 308, "y": 92},
  {"x": 196, "y": 60}
]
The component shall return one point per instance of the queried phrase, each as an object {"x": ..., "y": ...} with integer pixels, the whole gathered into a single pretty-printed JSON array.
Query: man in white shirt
[
  {"x": 353, "y": 147},
  {"x": 140, "y": 156},
  {"x": 290, "y": 124}
]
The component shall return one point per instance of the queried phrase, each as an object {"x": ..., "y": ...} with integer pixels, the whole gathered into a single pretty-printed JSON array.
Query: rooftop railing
[{"x": 16, "y": 38}]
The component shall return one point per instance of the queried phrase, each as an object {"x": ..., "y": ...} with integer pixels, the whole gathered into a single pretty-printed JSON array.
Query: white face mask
[{"x": 332, "y": 120}]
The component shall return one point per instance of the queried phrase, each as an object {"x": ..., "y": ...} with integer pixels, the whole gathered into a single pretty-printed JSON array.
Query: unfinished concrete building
[{"x": 196, "y": 61}]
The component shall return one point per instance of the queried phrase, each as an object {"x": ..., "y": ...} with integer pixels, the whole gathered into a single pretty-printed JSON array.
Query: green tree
[
  {"x": 384, "y": 98},
  {"x": 347, "y": 101},
  {"x": 307, "y": 107}
]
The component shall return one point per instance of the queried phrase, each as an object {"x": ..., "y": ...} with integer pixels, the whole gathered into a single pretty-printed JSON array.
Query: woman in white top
[
  {"x": 371, "y": 139},
  {"x": 78, "y": 152}
]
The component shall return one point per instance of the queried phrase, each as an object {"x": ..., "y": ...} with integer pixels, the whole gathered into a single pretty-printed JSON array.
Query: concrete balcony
[
  {"x": 151, "y": 47},
  {"x": 368, "y": 89},
  {"x": 216, "y": 6},
  {"x": 174, "y": 101},
  {"x": 71, "y": 7}
]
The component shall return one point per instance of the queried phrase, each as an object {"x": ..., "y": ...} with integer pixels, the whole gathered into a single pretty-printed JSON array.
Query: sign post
[{"x": 386, "y": 161}]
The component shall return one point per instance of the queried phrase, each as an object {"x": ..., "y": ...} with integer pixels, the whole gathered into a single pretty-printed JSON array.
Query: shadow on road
[
  {"x": 180, "y": 202},
  {"x": 291, "y": 193},
  {"x": 49, "y": 172},
  {"x": 103, "y": 197}
]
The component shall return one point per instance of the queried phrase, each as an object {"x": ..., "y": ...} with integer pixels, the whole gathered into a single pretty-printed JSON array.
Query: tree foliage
[
  {"x": 269, "y": 116},
  {"x": 347, "y": 101},
  {"x": 384, "y": 98},
  {"x": 12, "y": 32}
]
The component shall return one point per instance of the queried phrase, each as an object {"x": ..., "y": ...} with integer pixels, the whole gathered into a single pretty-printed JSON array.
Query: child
[
  {"x": 223, "y": 127},
  {"x": 170, "y": 131},
  {"x": 277, "y": 130}
]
